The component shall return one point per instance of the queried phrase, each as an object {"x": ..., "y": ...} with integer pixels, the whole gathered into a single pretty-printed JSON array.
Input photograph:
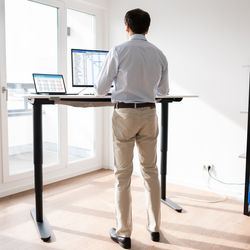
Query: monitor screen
[
  {"x": 49, "y": 83},
  {"x": 86, "y": 66}
]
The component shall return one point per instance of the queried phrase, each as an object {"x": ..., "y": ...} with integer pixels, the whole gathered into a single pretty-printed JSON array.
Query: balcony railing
[{"x": 18, "y": 105}]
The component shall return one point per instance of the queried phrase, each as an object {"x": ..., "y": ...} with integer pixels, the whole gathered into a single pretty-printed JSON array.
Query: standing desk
[{"x": 85, "y": 101}]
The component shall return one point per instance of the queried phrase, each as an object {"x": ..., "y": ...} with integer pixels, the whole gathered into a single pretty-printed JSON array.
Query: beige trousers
[{"x": 138, "y": 126}]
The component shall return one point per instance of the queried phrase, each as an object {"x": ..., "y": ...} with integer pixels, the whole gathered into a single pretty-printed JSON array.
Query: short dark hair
[{"x": 137, "y": 20}]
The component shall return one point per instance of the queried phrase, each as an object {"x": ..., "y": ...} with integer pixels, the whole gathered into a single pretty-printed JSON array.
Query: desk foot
[
  {"x": 171, "y": 204},
  {"x": 43, "y": 228},
  {"x": 247, "y": 211}
]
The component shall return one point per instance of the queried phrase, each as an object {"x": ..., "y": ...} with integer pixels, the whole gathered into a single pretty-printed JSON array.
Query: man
[{"x": 139, "y": 72}]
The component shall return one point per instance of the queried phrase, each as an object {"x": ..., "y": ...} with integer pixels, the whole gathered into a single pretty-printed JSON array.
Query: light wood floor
[{"x": 81, "y": 212}]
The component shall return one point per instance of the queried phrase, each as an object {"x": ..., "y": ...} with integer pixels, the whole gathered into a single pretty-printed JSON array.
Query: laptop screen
[{"x": 49, "y": 83}]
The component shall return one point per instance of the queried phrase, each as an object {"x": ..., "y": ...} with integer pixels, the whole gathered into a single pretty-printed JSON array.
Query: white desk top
[
  {"x": 52, "y": 97},
  {"x": 85, "y": 101}
]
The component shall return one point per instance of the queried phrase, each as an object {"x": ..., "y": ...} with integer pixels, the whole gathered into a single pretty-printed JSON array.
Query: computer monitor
[{"x": 86, "y": 66}]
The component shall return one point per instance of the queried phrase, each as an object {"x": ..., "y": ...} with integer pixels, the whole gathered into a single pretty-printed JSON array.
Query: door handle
[{"x": 5, "y": 90}]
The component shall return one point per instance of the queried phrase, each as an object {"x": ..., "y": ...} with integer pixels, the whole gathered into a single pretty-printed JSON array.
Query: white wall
[{"x": 207, "y": 45}]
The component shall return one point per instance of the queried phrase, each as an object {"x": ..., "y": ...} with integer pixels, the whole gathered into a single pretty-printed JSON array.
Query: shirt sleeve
[
  {"x": 163, "y": 86},
  {"x": 108, "y": 73}
]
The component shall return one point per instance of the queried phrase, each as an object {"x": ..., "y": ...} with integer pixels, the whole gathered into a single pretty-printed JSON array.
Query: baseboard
[{"x": 25, "y": 185}]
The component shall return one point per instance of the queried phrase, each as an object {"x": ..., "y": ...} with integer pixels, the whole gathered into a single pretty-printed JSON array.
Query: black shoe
[
  {"x": 124, "y": 242},
  {"x": 155, "y": 236}
]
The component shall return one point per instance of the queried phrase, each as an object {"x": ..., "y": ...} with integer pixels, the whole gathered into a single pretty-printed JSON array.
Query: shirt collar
[{"x": 138, "y": 37}]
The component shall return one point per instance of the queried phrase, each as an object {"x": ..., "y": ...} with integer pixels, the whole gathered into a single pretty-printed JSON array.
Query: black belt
[{"x": 120, "y": 105}]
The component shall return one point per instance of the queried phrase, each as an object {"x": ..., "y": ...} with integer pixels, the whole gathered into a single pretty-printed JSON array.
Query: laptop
[{"x": 51, "y": 84}]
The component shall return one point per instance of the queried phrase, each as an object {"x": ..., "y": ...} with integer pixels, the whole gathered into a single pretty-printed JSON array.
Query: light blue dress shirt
[{"x": 137, "y": 69}]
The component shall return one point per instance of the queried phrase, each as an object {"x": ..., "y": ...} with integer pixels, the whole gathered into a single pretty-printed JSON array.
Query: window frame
[
  {"x": 3, "y": 106},
  {"x": 67, "y": 169}
]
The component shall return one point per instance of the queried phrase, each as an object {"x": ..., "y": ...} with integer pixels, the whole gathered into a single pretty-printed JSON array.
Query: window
[
  {"x": 35, "y": 41},
  {"x": 31, "y": 46},
  {"x": 81, "y": 122}
]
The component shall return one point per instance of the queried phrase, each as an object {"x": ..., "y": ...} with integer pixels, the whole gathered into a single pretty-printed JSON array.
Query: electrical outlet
[{"x": 208, "y": 168}]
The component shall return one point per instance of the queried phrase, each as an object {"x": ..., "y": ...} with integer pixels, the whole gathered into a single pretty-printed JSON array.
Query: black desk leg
[
  {"x": 164, "y": 148},
  {"x": 37, "y": 213},
  {"x": 247, "y": 174}
]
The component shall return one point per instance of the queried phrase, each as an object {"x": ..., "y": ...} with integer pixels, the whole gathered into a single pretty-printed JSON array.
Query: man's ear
[{"x": 127, "y": 29}]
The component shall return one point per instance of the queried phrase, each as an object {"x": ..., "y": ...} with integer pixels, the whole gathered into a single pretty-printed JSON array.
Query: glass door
[
  {"x": 31, "y": 47},
  {"x": 81, "y": 121},
  {"x": 37, "y": 38}
]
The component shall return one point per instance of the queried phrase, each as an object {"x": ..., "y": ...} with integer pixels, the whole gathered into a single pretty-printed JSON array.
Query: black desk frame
[
  {"x": 247, "y": 175},
  {"x": 37, "y": 213}
]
